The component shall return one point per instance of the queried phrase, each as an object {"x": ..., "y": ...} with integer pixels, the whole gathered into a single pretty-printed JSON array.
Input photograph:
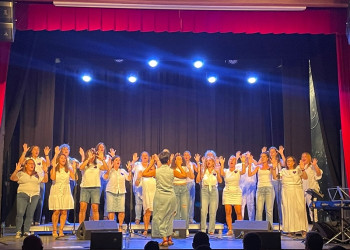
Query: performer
[
  {"x": 314, "y": 174},
  {"x": 248, "y": 187},
  {"x": 148, "y": 191},
  {"x": 72, "y": 163},
  {"x": 137, "y": 169},
  {"x": 293, "y": 201},
  {"x": 101, "y": 149},
  {"x": 60, "y": 199},
  {"x": 209, "y": 177},
  {"x": 280, "y": 158},
  {"x": 115, "y": 190},
  {"x": 191, "y": 186},
  {"x": 40, "y": 162},
  {"x": 264, "y": 192},
  {"x": 91, "y": 183},
  {"x": 164, "y": 201},
  {"x": 232, "y": 194},
  {"x": 181, "y": 191},
  {"x": 27, "y": 193}
]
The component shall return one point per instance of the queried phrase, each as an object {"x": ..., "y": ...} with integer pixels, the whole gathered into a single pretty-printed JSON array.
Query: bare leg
[
  {"x": 55, "y": 216},
  {"x": 228, "y": 211},
  {"x": 82, "y": 211},
  {"x": 146, "y": 219},
  {"x": 121, "y": 217},
  {"x": 62, "y": 221},
  {"x": 95, "y": 214},
  {"x": 238, "y": 210},
  {"x": 111, "y": 216}
]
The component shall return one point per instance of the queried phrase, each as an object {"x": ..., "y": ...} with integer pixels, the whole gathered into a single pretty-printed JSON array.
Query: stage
[{"x": 137, "y": 241}]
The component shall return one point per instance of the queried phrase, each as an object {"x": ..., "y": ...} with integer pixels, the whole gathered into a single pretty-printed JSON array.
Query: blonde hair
[{"x": 308, "y": 156}]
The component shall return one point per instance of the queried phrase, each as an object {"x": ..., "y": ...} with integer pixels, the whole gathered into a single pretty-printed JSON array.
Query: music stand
[
  {"x": 317, "y": 195},
  {"x": 341, "y": 195}
]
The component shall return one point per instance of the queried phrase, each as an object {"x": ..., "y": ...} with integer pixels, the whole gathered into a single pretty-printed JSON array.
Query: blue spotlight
[
  {"x": 132, "y": 78},
  {"x": 252, "y": 79},
  {"x": 198, "y": 64},
  {"x": 86, "y": 78},
  {"x": 212, "y": 79},
  {"x": 153, "y": 63}
]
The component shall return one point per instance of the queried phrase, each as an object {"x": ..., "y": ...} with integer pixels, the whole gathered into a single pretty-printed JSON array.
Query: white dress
[
  {"x": 232, "y": 194},
  {"x": 148, "y": 192},
  {"x": 60, "y": 194},
  {"x": 293, "y": 201}
]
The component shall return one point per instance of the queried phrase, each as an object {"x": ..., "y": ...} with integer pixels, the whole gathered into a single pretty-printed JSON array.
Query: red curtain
[
  {"x": 343, "y": 56},
  {"x": 4, "y": 61},
  {"x": 49, "y": 17}
]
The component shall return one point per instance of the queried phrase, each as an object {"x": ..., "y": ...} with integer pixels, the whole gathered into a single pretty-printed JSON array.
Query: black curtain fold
[{"x": 324, "y": 74}]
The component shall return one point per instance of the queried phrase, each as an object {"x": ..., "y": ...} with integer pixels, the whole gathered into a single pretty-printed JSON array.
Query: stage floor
[{"x": 137, "y": 241}]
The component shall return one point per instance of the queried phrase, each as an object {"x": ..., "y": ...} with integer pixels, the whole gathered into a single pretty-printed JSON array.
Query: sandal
[
  {"x": 164, "y": 244},
  {"x": 211, "y": 233},
  {"x": 61, "y": 234},
  {"x": 145, "y": 233},
  {"x": 54, "y": 234},
  {"x": 170, "y": 242},
  {"x": 229, "y": 232}
]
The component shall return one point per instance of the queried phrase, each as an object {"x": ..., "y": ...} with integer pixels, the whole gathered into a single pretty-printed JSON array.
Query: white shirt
[
  {"x": 179, "y": 181},
  {"x": 264, "y": 178},
  {"x": 91, "y": 176},
  {"x": 188, "y": 179},
  {"x": 29, "y": 185},
  {"x": 312, "y": 178},
  {"x": 116, "y": 181},
  {"x": 209, "y": 179}
]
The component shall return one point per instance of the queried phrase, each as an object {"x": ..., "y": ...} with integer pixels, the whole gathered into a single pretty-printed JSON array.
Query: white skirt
[{"x": 232, "y": 195}]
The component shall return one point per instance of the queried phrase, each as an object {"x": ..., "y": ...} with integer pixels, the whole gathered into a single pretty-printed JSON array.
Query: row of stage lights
[{"x": 132, "y": 78}]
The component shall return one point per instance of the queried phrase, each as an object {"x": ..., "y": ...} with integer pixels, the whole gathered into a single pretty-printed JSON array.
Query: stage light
[
  {"x": 252, "y": 79},
  {"x": 86, "y": 78},
  {"x": 132, "y": 78},
  {"x": 198, "y": 64},
  {"x": 153, "y": 63},
  {"x": 212, "y": 79}
]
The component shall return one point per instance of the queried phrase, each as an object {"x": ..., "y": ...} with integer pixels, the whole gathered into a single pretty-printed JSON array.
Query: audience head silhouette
[
  {"x": 32, "y": 242},
  {"x": 151, "y": 245},
  {"x": 313, "y": 241},
  {"x": 200, "y": 239},
  {"x": 251, "y": 241}
]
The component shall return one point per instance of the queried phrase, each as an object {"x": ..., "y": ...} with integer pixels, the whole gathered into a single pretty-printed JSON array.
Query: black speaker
[
  {"x": 247, "y": 226},
  {"x": 326, "y": 230},
  {"x": 85, "y": 228},
  {"x": 270, "y": 240},
  {"x": 106, "y": 240},
  {"x": 7, "y": 27}
]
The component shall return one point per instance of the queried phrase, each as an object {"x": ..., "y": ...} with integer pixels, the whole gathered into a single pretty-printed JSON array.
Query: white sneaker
[{"x": 18, "y": 235}]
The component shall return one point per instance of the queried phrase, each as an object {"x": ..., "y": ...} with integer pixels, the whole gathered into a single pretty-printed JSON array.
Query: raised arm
[
  {"x": 244, "y": 164},
  {"x": 190, "y": 173},
  {"x": 250, "y": 172},
  {"x": 47, "y": 158},
  {"x": 303, "y": 172},
  {"x": 222, "y": 166},
  {"x": 86, "y": 162},
  {"x": 23, "y": 155},
  {"x": 14, "y": 176},
  {"x": 281, "y": 152},
  {"x": 149, "y": 171},
  {"x": 317, "y": 169}
]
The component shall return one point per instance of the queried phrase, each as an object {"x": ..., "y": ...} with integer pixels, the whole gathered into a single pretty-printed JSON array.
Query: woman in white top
[
  {"x": 314, "y": 174},
  {"x": 209, "y": 177},
  {"x": 264, "y": 193},
  {"x": 39, "y": 163},
  {"x": 181, "y": 190},
  {"x": 191, "y": 186},
  {"x": 115, "y": 189},
  {"x": 27, "y": 193},
  {"x": 91, "y": 183},
  {"x": 60, "y": 199},
  {"x": 293, "y": 201},
  {"x": 232, "y": 194}
]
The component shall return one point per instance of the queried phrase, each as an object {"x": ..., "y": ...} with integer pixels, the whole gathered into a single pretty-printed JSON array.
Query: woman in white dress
[
  {"x": 115, "y": 190},
  {"x": 232, "y": 193},
  {"x": 60, "y": 199},
  {"x": 293, "y": 201}
]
